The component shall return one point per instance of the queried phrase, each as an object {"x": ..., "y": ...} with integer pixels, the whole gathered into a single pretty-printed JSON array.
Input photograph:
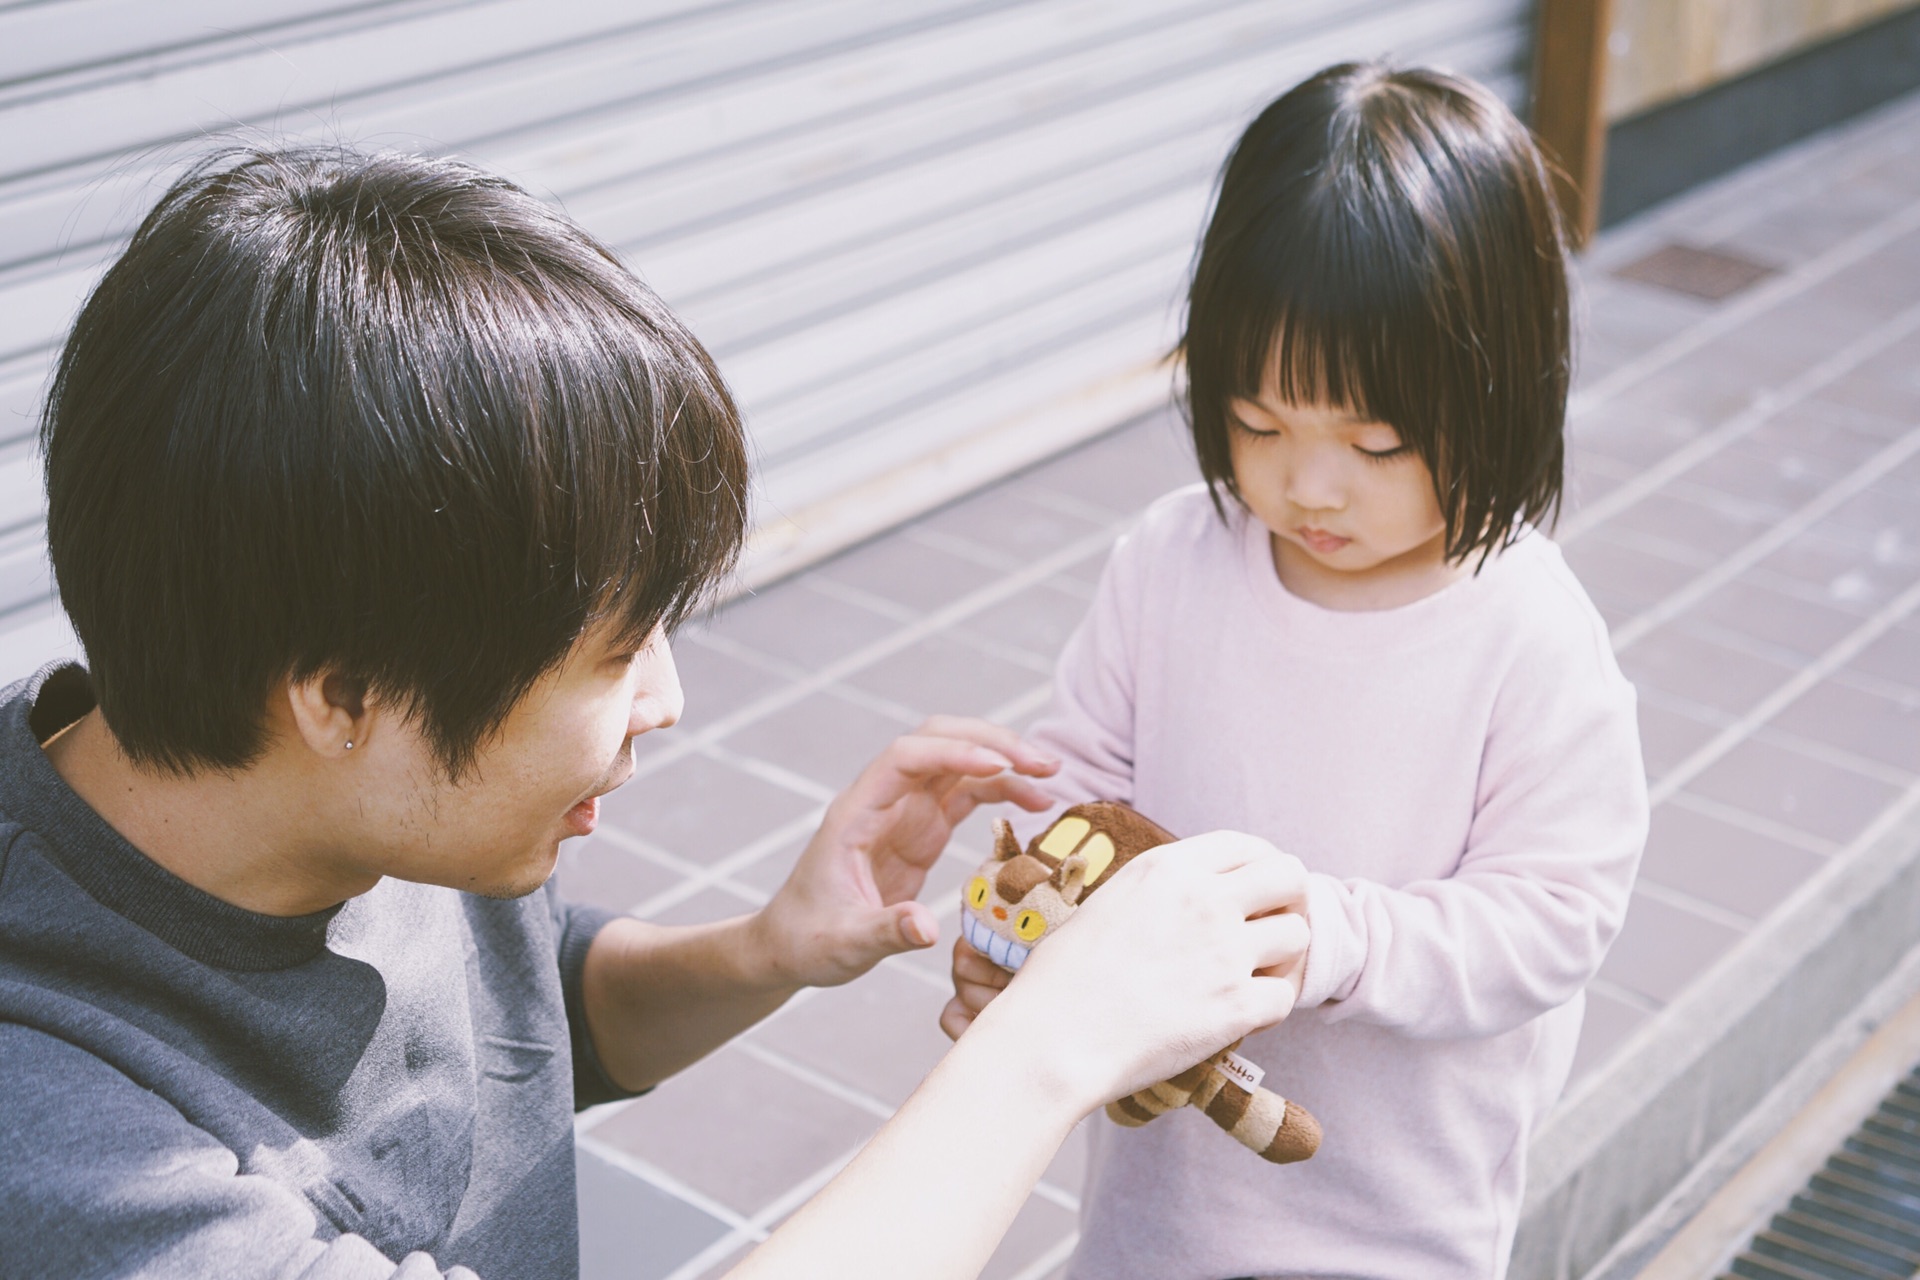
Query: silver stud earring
[{"x": 349, "y": 744}]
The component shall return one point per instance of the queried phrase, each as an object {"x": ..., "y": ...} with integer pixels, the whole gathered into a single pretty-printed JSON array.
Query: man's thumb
[{"x": 909, "y": 926}]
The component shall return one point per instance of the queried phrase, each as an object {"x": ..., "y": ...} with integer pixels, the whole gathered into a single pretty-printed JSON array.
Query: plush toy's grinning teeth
[{"x": 1004, "y": 952}]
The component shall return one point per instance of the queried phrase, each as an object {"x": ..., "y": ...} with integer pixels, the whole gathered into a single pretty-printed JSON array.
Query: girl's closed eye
[{"x": 1384, "y": 455}]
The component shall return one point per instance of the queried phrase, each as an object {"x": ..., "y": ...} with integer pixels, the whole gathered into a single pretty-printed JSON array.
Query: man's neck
[{"x": 248, "y": 837}]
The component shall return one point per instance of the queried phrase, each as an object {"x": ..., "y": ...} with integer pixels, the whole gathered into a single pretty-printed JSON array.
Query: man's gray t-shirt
[{"x": 190, "y": 1089}]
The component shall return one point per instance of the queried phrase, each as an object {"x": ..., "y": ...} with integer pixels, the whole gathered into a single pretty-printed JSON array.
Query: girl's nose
[{"x": 1313, "y": 483}]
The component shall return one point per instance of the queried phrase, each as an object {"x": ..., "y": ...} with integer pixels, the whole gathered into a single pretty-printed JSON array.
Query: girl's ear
[
  {"x": 1071, "y": 878},
  {"x": 1004, "y": 845}
]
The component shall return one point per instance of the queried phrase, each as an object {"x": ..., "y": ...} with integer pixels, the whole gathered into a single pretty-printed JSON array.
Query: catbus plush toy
[{"x": 1018, "y": 898}]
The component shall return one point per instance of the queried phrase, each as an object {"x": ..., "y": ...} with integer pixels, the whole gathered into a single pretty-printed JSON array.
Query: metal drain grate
[
  {"x": 1858, "y": 1218},
  {"x": 1712, "y": 274}
]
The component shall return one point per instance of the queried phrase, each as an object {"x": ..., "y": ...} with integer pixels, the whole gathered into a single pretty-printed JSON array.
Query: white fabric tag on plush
[{"x": 1243, "y": 1073}]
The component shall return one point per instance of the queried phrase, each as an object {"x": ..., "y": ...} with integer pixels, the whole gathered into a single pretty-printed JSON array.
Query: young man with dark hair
[{"x": 374, "y": 487}]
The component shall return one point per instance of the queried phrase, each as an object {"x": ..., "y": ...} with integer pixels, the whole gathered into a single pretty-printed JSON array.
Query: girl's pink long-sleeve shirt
[{"x": 1462, "y": 778}]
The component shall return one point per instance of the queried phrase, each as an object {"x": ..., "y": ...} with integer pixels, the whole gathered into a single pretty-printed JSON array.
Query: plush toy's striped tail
[{"x": 1262, "y": 1121}]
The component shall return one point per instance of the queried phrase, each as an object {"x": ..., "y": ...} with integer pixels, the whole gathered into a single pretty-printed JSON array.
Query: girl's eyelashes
[
  {"x": 1240, "y": 425},
  {"x": 1382, "y": 455}
]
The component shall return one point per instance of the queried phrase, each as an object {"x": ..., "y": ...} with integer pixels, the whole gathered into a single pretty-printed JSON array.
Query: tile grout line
[
  {"x": 1754, "y": 824},
  {"x": 1043, "y": 1266},
  {"x": 756, "y": 1227},
  {"x": 1839, "y": 757},
  {"x": 858, "y": 1099},
  {"x": 1814, "y": 672},
  {"x": 767, "y": 771},
  {"x": 1814, "y": 271},
  {"x": 1625, "y": 995},
  {"x": 745, "y": 856},
  {"x": 1681, "y": 900},
  {"x": 662, "y": 1181},
  {"x": 1635, "y": 629},
  {"x": 1757, "y": 413}
]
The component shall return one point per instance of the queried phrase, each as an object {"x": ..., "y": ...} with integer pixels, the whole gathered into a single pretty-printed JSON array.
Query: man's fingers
[
  {"x": 905, "y": 926},
  {"x": 1025, "y": 757},
  {"x": 1003, "y": 788},
  {"x": 1278, "y": 941},
  {"x": 910, "y": 763}
]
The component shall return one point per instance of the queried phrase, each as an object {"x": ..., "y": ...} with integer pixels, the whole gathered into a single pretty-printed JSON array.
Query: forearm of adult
[
  {"x": 932, "y": 1194},
  {"x": 1160, "y": 970},
  {"x": 660, "y": 997}
]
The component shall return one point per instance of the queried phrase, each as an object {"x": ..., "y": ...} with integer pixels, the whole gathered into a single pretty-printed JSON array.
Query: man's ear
[{"x": 330, "y": 712}]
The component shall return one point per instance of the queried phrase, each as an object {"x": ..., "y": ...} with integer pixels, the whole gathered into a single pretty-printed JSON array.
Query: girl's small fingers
[
  {"x": 974, "y": 996},
  {"x": 1273, "y": 1001},
  {"x": 970, "y": 966},
  {"x": 1268, "y": 883},
  {"x": 1278, "y": 941},
  {"x": 955, "y": 1018}
]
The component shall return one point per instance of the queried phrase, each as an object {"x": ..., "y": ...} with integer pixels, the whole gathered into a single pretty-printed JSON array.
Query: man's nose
[{"x": 658, "y": 700}]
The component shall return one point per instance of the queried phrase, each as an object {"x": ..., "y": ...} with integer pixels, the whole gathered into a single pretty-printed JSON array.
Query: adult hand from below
[
  {"x": 1158, "y": 970},
  {"x": 1189, "y": 947},
  {"x": 849, "y": 902}
]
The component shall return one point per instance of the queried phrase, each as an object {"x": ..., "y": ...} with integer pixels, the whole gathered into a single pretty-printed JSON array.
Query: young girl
[{"x": 1354, "y": 642}]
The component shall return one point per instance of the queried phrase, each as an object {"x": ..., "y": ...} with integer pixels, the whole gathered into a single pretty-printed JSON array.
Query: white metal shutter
[{"x": 929, "y": 240}]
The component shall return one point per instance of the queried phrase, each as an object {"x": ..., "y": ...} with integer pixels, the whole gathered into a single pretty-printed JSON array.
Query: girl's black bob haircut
[
  {"x": 378, "y": 416},
  {"x": 1386, "y": 241}
]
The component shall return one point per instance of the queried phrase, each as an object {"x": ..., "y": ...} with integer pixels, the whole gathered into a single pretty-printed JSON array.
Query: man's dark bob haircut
[
  {"x": 380, "y": 417},
  {"x": 1386, "y": 241}
]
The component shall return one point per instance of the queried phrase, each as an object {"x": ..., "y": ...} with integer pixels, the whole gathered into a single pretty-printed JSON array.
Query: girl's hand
[
  {"x": 1161, "y": 968},
  {"x": 849, "y": 902},
  {"x": 976, "y": 981}
]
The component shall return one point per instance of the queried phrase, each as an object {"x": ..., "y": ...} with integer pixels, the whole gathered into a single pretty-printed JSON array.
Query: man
[{"x": 374, "y": 486}]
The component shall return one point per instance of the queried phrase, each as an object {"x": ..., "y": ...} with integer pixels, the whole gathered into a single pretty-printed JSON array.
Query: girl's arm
[
  {"x": 1542, "y": 889},
  {"x": 1088, "y": 724},
  {"x": 1150, "y": 977}
]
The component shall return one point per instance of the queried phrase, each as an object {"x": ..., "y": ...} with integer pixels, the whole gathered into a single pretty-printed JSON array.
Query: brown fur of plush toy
[{"x": 1019, "y": 897}]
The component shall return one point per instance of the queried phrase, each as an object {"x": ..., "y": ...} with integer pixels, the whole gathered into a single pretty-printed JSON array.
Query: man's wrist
[{"x": 766, "y": 952}]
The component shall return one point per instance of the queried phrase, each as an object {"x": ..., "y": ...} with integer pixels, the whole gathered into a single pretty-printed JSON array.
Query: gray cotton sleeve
[
  {"x": 101, "y": 1178},
  {"x": 574, "y": 928}
]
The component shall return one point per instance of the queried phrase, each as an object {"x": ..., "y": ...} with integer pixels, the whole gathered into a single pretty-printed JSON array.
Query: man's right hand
[{"x": 1169, "y": 962}]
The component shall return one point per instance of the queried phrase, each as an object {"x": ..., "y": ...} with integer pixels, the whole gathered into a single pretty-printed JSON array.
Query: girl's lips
[
  {"x": 584, "y": 817},
  {"x": 1321, "y": 541}
]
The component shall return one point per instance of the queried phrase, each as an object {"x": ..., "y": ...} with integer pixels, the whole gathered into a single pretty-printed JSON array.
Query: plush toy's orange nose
[{"x": 999, "y": 913}]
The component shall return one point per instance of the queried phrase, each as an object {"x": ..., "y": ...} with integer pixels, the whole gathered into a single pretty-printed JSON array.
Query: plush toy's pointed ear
[
  {"x": 1004, "y": 845},
  {"x": 1071, "y": 878}
]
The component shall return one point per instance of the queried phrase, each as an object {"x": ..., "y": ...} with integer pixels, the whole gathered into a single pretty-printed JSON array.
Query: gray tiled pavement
[{"x": 1744, "y": 508}]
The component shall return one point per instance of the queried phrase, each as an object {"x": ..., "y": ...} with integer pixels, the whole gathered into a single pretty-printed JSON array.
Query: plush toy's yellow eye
[
  {"x": 977, "y": 892},
  {"x": 1029, "y": 924}
]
